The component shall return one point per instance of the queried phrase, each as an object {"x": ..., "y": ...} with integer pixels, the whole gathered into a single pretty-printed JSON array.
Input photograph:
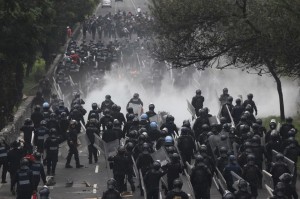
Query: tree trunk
[{"x": 279, "y": 90}]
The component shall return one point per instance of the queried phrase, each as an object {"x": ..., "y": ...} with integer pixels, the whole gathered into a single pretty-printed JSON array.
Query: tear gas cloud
[{"x": 212, "y": 81}]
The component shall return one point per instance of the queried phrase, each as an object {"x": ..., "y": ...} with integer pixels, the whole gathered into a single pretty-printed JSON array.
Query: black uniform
[
  {"x": 38, "y": 172},
  {"x": 197, "y": 102},
  {"x": 91, "y": 128},
  {"x": 151, "y": 180},
  {"x": 186, "y": 146},
  {"x": 111, "y": 194},
  {"x": 3, "y": 160},
  {"x": 27, "y": 129},
  {"x": 51, "y": 146},
  {"x": 24, "y": 182},
  {"x": 72, "y": 143},
  {"x": 39, "y": 137},
  {"x": 36, "y": 118},
  {"x": 201, "y": 179},
  {"x": 252, "y": 174},
  {"x": 121, "y": 168},
  {"x": 174, "y": 169}
]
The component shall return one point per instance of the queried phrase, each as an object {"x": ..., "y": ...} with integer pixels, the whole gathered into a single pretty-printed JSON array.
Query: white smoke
[{"x": 211, "y": 82}]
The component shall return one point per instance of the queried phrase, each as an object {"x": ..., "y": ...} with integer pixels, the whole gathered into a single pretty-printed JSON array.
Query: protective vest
[
  {"x": 3, "y": 152},
  {"x": 23, "y": 183}
]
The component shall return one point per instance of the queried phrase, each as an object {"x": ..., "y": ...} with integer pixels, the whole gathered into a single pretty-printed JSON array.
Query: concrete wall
[{"x": 12, "y": 131}]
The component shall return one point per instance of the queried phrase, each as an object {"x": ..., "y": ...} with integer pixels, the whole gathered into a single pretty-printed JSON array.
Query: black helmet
[
  {"x": 28, "y": 121},
  {"x": 238, "y": 101},
  {"x": 63, "y": 115},
  {"x": 286, "y": 178},
  {"x": 37, "y": 155},
  {"x": 37, "y": 108},
  {"x": 93, "y": 115},
  {"x": 121, "y": 150},
  {"x": 52, "y": 115},
  {"x": 129, "y": 146},
  {"x": 111, "y": 183},
  {"x": 131, "y": 117},
  {"x": 223, "y": 120},
  {"x": 116, "y": 122},
  {"x": 132, "y": 134},
  {"x": 107, "y": 97},
  {"x": 279, "y": 156},
  {"x": 177, "y": 183},
  {"x": 225, "y": 90},
  {"x": 203, "y": 148},
  {"x": 106, "y": 111},
  {"x": 259, "y": 121},
  {"x": 205, "y": 127},
  {"x": 242, "y": 185},
  {"x": 199, "y": 159},
  {"x": 109, "y": 125},
  {"x": 175, "y": 157},
  {"x": 223, "y": 150},
  {"x": 24, "y": 162},
  {"x": 198, "y": 92},
  {"x": 156, "y": 165},
  {"x": 223, "y": 137},
  {"x": 250, "y": 96},
  {"x": 151, "y": 106},
  {"x": 289, "y": 120},
  {"x": 94, "y": 106},
  {"x": 184, "y": 131},
  {"x": 43, "y": 123},
  {"x": 136, "y": 95},
  {"x": 130, "y": 110},
  {"x": 73, "y": 123},
  {"x": 52, "y": 131},
  {"x": 229, "y": 99},
  {"x": 114, "y": 107},
  {"x": 250, "y": 157},
  {"x": 186, "y": 123}
]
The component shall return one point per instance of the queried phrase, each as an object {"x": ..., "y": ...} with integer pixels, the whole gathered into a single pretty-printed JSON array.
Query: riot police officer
[
  {"x": 197, "y": 101},
  {"x": 176, "y": 192},
  {"x": 186, "y": 145},
  {"x": 201, "y": 178},
  {"x": 152, "y": 179},
  {"x": 38, "y": 171},
  {"x": 51, "y": 147},
  {"x": 91, "y": 129},
  {"x": 111, "y": 192},
  {"x": 278, "y": 168},
  {"x": 72, "y": 143},
  {"x": 24, "y": 181},
  {"x": 242, "y": 193}
]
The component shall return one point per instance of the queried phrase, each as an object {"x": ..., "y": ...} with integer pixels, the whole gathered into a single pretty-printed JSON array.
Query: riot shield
[
  {"x": 289, "y": 162},
  {"x": 99, "y": 143},
  {"x": 155, "y": 118},
  {"x": 229, "y": 113},
  {"x": 137, "y": 108},
  {"x": 221, "y": 178},
  {"x": 189, "y": 186},
  {"x": 213, "y": 120},
  {"x": 269, "y": 190},
  {"x": 191, "y": 109},
  {"x": 161, "y": 155},
  {"x": 267, "y": 178},
  {"x": 236, "y": 179},
  {"x": 111, "y": 147},
  {"x": 143, "y": 184}
]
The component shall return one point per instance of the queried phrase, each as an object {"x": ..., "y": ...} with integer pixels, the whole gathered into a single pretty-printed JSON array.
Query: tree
[{"x": 255, "y": 35}]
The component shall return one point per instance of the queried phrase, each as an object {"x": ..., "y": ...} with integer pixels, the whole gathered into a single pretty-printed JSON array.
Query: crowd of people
[{"x": 205, "y": 149}]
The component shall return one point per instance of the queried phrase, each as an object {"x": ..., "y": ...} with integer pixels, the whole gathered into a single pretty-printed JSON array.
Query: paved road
[{"x": 94, "y": 174}]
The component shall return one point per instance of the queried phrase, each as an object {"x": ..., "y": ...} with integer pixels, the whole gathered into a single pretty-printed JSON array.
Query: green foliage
[{"x": 30, "y": 28}]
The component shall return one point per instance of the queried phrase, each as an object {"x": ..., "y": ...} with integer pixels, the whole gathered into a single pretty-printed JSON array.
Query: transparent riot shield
[
  {"x": 137, "y": 108},
  {"x": 267, "y": 178},
  {"x": 236, "y": 179},
  {"x": 191, "y": 109},
  {"x": 289, "y": 162}
]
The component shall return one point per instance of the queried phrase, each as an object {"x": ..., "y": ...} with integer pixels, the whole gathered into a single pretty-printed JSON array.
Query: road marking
[
  {"x": 97, "y": 169},
  {"x": 95, "y": 188}
]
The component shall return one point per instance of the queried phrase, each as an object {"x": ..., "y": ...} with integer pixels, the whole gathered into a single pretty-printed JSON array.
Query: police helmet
[
  {"x": 111, "y": 183},
  {"x": 37, "y": 108},
  {"x": 198, "y": 92},
  {"x": 279, "y": 156},
  {"x": 250, "y": 96},
  {"x": 242, "y": 185},
  {"x": 168, "y": 139},
  {"x": 153, "y": 125},
  {"x": 151, "y": 106},
  {"x": 94, "y": 106},
  {"x": 131, "y": 117},
  {"x": 46, "y": 105},
  {"x": 156, "y": 165},
  {"x": 144, "y": 116},
  {"x": 186, "y": 123},
  {"x": 121, "y": 150},
  {"x": 130, "y": 110},
  {"x": 43, "y": 123},
  {"x": 52, "y": 131},
  {"x": 199, "y": 158},
  {"x": 286, "y": 178},
  {"x": 28, "y": 121},
  {"x": 107, "y": 97},
  {"x": 177, "y": 183},
  {"x": 238, "y": 101},
  {"x": 37, "y": 155},
  {"x": 24, "y": 162},
  {"x": 136, "y": 95}
]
